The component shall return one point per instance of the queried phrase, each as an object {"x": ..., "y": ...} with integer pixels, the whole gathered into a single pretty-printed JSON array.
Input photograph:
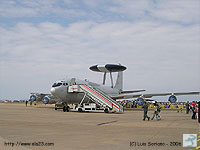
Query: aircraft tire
[
  {"x": 106, "y": 110},
  {"x": 67, "y": 108},
  {"x": 80, "y": 110},
  {"x": 64, "y": 109}
]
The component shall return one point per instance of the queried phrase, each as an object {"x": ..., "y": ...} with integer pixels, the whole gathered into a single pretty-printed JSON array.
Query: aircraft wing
[
  {"x": 39, "y": 94},
  {"x": 128, "y": 96},
  {"x": 135, "y": 91},
  {"x": 125, "y": 96}
]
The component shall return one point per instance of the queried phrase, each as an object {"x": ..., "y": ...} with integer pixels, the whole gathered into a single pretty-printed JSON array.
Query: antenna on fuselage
[{"x": 108, "y": 68}]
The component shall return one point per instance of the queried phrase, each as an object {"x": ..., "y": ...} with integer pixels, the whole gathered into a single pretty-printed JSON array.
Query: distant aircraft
[{"x": 76, "y": 91}]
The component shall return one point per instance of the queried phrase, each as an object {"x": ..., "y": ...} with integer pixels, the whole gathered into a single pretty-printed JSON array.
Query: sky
[{"x": 42, "y": 41}]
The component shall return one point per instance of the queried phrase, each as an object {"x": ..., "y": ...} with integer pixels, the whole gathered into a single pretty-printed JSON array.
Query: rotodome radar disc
[{"x": 108, "y": 68}]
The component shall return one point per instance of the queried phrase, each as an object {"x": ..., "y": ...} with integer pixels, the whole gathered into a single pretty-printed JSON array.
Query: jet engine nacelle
[
  {"x": 140, "y": 101},
  {"x": 48, "y": 100},
  {"x": 33, "y": 97},
  {"x": 172, "y": 99}
]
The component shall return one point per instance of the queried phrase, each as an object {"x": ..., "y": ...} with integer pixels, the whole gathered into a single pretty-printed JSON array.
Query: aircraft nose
[{"x": 53, "y": 91}]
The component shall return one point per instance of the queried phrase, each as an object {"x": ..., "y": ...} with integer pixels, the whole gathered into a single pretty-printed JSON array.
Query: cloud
[
  {"x": 172, "y": 11},
  {"x": 46, "y": 40},
  {"x": 180, "y": 11},
  {"x": 160, "y": 57},
  {"x": 14, "y": 9},
  {"x": 183, "y": 12},
  {"x": 130, "y": 8},
  {"x": 37, "y": 9}
]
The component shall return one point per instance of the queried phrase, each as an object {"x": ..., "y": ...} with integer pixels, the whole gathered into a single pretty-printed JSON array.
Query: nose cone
[{"x": 53, "y": 91}]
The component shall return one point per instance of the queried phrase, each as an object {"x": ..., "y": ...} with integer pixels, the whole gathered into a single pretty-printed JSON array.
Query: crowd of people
[
  {"x": 191, "y": 107},
  {"x": 133, "y": 104}
]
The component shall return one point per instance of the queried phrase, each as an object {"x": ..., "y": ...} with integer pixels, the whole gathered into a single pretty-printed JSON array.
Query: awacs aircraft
[{"x": 76, "y": 91}]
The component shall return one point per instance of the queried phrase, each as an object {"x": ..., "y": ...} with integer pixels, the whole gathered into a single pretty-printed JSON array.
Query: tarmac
[{"x": 43, "y": 128}]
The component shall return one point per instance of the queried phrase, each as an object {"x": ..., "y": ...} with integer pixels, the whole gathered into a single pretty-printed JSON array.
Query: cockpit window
[
  {"x": 56, "y": 84},
  {"x": 65, "y": 84}
]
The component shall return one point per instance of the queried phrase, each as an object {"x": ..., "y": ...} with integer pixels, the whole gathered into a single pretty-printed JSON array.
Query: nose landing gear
[{"x": 66, "y": 108}]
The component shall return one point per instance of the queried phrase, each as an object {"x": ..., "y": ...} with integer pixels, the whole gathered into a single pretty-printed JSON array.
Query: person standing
[
  {"x": 155, "y": 111},
  {"x": 194, "y": 111},
  {"x": 26, "y": 103},
  {"x": 145, "y": 107},
  {"x": 187, "y": 107},
  {"x": 159, "y": 110}
]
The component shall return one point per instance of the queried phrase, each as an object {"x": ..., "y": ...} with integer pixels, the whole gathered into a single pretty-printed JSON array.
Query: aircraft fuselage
[{"x": 60, "y": 91}]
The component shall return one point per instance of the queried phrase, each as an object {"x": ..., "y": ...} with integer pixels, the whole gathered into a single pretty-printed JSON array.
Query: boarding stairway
[{"x": 101, "y": 98}]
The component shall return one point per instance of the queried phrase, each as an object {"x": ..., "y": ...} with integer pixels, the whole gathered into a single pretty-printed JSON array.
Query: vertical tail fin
[{"x": 119, "y": 81}]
